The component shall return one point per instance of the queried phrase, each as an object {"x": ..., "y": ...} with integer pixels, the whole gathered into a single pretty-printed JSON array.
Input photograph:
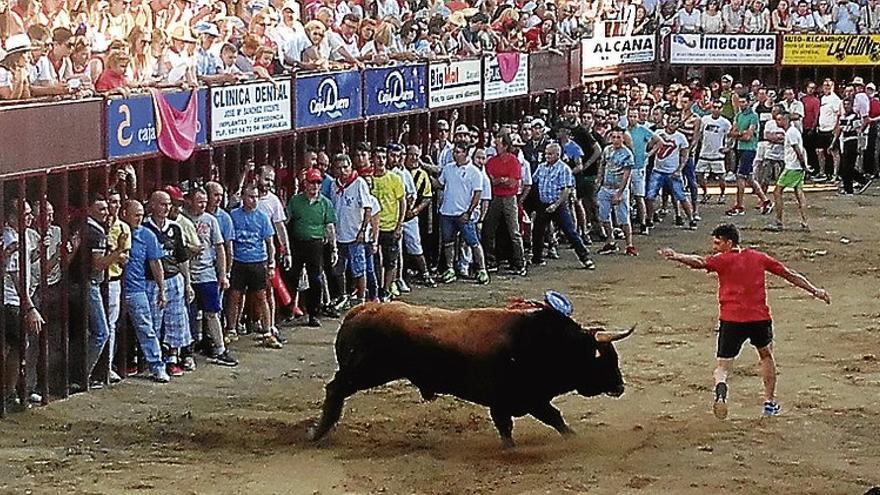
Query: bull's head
[{"x": 604, "y": 375}]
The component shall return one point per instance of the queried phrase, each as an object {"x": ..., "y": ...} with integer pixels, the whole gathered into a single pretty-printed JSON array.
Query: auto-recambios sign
[
  {"x": 600, "y": 53},
  {"x": 722, "y": 49}
]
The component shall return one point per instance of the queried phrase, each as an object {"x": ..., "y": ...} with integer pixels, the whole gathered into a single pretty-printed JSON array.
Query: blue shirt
[
  {"x": 641, "y": 136},
  {"x": 206, "y": 63},
  {"x": 616, "y": 163},
  {"x": 251, "y": 231},
  {"x": 551, "y": 180},
  {"x": 227, "y": 231},
  {"x": 327, "y": 186},
  {"x": 572, "y": 151},
  {"x": 144, "y": 248}
]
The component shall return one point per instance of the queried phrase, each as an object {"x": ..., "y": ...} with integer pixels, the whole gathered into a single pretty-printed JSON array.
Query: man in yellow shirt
[
  {"x": 114, "y": 286},
  {"x": 388, "y": 189}
]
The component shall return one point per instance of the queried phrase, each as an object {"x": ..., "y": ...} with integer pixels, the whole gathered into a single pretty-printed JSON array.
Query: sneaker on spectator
[
  {"x": 820, "y": 178},
  {"x": 692, "y": 225},
  {"x": 114, "y": 377},
  {"x": 679, "y": 221},
  {"x": 394, "y": 290},
  {"x": 403, "y": 287},
  {"x": 160, "y": 376},
  {"x": 632, "y": 251},
  {"x": 96, "y": 385},
  {"x": 482, "y": 277},
  {"x": 587, "y": 263},
  {"x": 174, "y": 369},
  {"x": 553, "y": 253},
  {"x": 189, "y": 363},
  {"x": 272, "y": 342},
  {"x": 448, "y": 276},
  {"x": 35, "y": 398},
  {"x": 608, "y": 248},
  {"x": 224, "y": 359},
  {"x": 617, "y": 233},
  {"x": 735, "y": 211},
  {"x": 766, "y": 207},
  {"x": 697, "y": 217}
]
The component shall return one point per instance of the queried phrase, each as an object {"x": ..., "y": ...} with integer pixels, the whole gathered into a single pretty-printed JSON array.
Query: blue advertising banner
[
  {"x": 391, "y": 90},
  {"x": 131, "y": 123},
  {"x": 327, "y": 98}
]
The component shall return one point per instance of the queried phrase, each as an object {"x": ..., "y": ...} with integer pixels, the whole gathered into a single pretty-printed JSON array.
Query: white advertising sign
[
  {"x": 599, "y": 53},
  {"x": 722, "y": 49},
  {"x": 502, "y": 79},
  {"x": 247, "y": 110},
  {"x": 454, "y": 83}
]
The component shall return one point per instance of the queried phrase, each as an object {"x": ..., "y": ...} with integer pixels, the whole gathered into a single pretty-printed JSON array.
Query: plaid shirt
[{"x": 551, "y": 180}]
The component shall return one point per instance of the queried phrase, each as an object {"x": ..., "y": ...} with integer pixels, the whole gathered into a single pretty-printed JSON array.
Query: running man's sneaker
[
  {"x": 224, "y": 359},
  {"x": 482, "y": 277},
  {"x": 766, "y": 207},
  {"x": 448, "y": 276},
  {"x": 735, "y": 211},
  {"x": 313, "y": 322},
  {"x": 820, "y": 178},
  {"x": 394, "y": 290},
  {"x": 771, "y": 408},
  {"x": 645, "y": 229},
  {"x": 865, "y": 186},
  {"x": 160, "y": 376},
  {"x": 189, "y": 364},
  {"x": 617, "y": 233},
  {"x": 697, "y": 217},
  {"x": 632, "y": 251},
  {"x": 608, "y": 248},
  {"x": 720, "y": 405},
  {"x": 114, "y": 377}
]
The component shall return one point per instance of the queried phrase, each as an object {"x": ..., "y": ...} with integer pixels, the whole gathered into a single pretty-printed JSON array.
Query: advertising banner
[
  {"x": 390, "y": 90},
  {"x": 722, "y": 49},
  {"x": 831, "y": 49},
  {"x": 327, "y": 98},
  {"x": 505, "y": 75},
  {"x": 131, "y": 123},
  {"x": 548, "y": 70},
  {"x": 454, "y": 83},
  {"x": 601, "y": 53},
  {"x": 251, "y": 109}
]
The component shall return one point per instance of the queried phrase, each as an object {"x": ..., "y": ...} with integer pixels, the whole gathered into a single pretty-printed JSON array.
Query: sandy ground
[{"x": 242, "y": 430}]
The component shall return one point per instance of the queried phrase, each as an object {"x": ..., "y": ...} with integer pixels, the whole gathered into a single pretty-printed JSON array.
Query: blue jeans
[
  {"x": 562, "y": 218},
  {"x": 99, "y": 329},
  {"x": 690, "y": 177},
  {"x": 140, "y": 309},
  {"x": 370, "y": 268}
]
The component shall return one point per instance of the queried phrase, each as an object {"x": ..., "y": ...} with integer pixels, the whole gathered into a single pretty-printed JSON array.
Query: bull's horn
[{"x": 614, "y": 336}]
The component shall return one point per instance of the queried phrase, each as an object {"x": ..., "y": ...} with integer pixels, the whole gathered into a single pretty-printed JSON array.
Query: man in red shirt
[
  {"x": 742, "y": 296},
  {"x": 505, "y": 172},
  {"x": 810, "y": 123}
]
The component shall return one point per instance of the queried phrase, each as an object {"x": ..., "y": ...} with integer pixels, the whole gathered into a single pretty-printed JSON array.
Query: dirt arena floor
[{"x": 242, "y": 430}]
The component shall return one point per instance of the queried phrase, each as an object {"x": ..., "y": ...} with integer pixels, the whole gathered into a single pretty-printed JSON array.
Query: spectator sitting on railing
[
  {"x": 344, "y": 43},
  {"x": 846, "y": 17},
  {"x": 710, "y": 21},
  {"x": 688, "y": 18},
  {"x": 207, "y": 64},
  {"x": 780, "y": 18},
  {"x": 15, "y": 68},
  {"x": 733, "y": 16},
  {"x": 803, "y": 20},
  {"x": 179, "y": 63},
  {"x": 869, "y": 17},
  {"x": 757, "y": 18},
  {"x": 112, "y": 80}
]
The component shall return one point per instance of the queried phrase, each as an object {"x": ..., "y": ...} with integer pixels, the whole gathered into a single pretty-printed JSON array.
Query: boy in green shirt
[{"x": 745, "y": 132}]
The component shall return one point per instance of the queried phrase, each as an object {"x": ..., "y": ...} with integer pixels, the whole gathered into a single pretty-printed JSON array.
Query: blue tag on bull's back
[{"x": 558, "y": 301}]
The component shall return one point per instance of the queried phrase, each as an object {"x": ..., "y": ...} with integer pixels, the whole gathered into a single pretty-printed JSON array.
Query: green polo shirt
[
  {"x": 743, "y": 121},
  {"x": 308, "y": 219}
]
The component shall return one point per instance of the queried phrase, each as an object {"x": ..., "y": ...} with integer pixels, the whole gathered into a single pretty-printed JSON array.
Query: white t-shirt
[
  {"x": 829, "y": 112},
  {"x": 337, "y": 41},
  {"x": 861, "y": 104},
  {"x": 795, "y": 108},
  {"x": 46, "y": 71},
  {"x": 5, "y": 78},
  {"x": 459, "y": 184},
  {"x": 10, "y": 236},
  {"x": 271, "y": 205},
  {"x": 714, "y": 133},
  {"x": 775, "y": 151},
  {"x": 349, "y": 205},
  {"x": 668, "y": 156},
  {"x": 793, "y": 139},
  {"x": 180, "y": 63},
  {"x": 485, "y": 195},
  {"x": 375, "y": 208},
  {"x": 689, "y": 23}
]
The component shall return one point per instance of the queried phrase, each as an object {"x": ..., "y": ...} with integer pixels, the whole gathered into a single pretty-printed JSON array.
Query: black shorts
[
  {"x": 390, "y": 248},
  {"x": 732, "y": 335},
  {"x": 585, "y": 185},
  {"x": 823, "y": 140},
  {"x": 249, "y": 277}
]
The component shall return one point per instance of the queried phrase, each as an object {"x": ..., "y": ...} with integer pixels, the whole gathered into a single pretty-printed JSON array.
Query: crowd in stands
[{"x": 201, "y": 263}]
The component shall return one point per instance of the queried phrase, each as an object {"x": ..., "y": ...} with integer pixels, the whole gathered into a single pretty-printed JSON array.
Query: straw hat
[
  {"x": 17, "y": 43},
  {"x": 182, "y": 33}
]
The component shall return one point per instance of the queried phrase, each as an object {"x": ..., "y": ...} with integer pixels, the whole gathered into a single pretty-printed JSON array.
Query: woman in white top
[
  {"x": 379, "y": 49},
  {"x": 823, "y": 17},
  {"x": 711, "y": 19},
  {"x": 780, "y": 18},
  {"x": 688, "y": 19},
  {"x": 757, "y": 19},
  {"x": 82, "y": 65}
]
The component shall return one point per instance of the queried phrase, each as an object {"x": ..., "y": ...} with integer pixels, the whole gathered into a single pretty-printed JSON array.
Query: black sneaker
[
  {"x": 692, "y": 225},
  {"x": 865, "y": 186},
  {"x": 679, "y": 222},
  {"x": 608, "y": 248},
  {"x": 645, "y": 229},
  {"x": 314, "y": 322},
  {"x": 224, "y": 359},
  {"x": 587, "y": 263},
  {"x": 720, "y": 405}
]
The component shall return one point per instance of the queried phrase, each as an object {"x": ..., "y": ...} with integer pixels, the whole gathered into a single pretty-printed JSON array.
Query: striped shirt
[{"x": 551, "y": 180}]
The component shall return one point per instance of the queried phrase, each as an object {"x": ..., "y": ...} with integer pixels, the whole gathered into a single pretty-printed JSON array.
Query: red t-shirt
[
  {"x": 109, "y": 80},
  {"x": 742, "y": 293},
  {"x": 504, "y": 165},
  {"x": 811, "y": 111}
]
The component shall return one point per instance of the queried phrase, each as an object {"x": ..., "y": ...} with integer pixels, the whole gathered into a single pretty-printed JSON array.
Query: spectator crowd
[{"x": 200, "y": 263}]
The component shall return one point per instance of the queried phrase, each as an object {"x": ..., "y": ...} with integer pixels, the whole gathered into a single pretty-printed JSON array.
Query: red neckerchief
[{"x": 340, "y": 188}]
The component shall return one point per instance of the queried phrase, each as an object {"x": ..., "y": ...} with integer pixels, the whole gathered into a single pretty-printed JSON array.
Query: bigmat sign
[
  {"x": 600, "y": 53},
  {"x": 454, "y": 83},
  {"x": 722, "y": 49},
  {"x": 831, "y": 49}
]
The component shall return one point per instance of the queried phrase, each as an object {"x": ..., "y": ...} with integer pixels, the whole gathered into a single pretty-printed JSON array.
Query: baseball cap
[
  {"x": 871, "y": 86},
  {"x": 858, "y": 81},
  {"x": 314, "y": 175},
  {"x": 442, "y": 125},
  {"x": 174, "y": 192},
  {"x": 462, "y": 129},
  {"x": 727, "y": 77},
  {"x": 516, "y": 140}
]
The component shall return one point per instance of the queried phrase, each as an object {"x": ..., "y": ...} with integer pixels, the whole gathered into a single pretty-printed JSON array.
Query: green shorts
[{"x": 791, "y": 179}]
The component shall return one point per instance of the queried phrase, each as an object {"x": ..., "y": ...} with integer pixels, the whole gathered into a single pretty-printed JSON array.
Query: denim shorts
[
  {"x": 621, "y": 210},
  {"x": 745, "y": 168},
  {"x": 354, "y": 256},
  {"x": 637, "y": 182},
  {"x": 659, "y": 180},
  {"x": 449, "y": 226}
]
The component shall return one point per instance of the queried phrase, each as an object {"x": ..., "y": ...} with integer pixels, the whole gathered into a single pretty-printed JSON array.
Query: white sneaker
[{"x": 402, "y": 287}]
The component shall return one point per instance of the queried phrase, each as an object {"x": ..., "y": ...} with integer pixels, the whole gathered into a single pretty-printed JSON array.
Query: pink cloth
[
  {"x": 177, "y": 129},
  {"x": 508, "y": 65}
]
